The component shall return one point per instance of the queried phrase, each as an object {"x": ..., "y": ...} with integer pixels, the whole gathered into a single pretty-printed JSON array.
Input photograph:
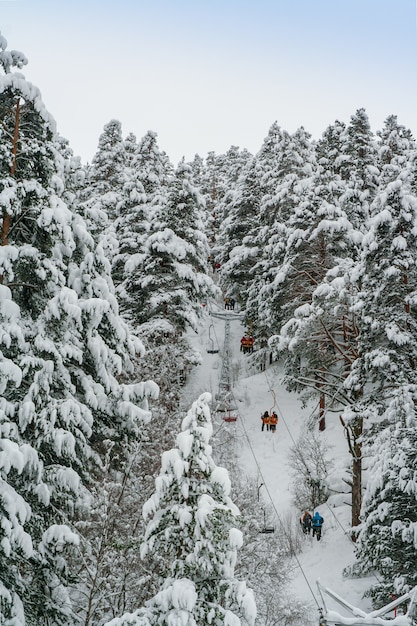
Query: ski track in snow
[{"x": 264, "y": 455}]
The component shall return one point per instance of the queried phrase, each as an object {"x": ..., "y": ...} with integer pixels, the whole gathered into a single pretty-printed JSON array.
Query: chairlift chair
[
  {"x": 266, "y": 530},
  {"x": 230, "y": 417},
  {"x": 211, "y": 349}
]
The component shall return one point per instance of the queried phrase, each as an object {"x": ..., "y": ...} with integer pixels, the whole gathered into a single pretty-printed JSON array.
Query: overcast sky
[{"x": 209, "y": 74}]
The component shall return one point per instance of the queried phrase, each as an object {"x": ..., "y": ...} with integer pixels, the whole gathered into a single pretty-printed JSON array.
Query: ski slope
[{"x": 265, "y": 455}]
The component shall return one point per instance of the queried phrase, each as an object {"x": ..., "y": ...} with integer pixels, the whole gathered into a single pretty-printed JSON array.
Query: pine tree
[
  {"x": 293, "y": 169},
  {"x": 323, "y": 331},
  {"x": 108, "y": 163},
  {"x": 238, "y": 233},
  {"x": 172, "y": 281},
  {"x": 320, "y": 238},
  {"x": 359, "y": 169},
  {"x": 155, "y": 167},
  {"x": 102, "y": 191},
  {"x": 130, "y": 230},
  {"x": 386, "y": 542},
  {"x": 386, "y": 368},
  {"x": 62, "y": 354},
  {"x": 269, "y": 171},
  {"x": 190, "y": 535}
]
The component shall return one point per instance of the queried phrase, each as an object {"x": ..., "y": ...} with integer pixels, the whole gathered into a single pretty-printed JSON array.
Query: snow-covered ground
[{"x": 266, "y": 456}]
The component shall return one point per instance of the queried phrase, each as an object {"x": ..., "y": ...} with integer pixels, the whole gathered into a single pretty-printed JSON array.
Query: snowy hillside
[{"x": 265, "y": 455}]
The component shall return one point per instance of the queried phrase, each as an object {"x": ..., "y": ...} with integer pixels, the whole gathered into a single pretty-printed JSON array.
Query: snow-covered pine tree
[
  {"x": 38, "y": 480},
  {"x": 282, "y": 252},
  {"x": 328, "y": 318},
  {"x": 225, "y": 170},
  {"x": 143, "y": 200},
  {"x": 172, "y": 282},
  {"x": 238, "y": 233},
  {"x": 386, "y": 292},
  {"x": 102, "y": 190},
  {"x": 294, "y": 169},
  {"x": 311, "y": 334},
  {"x": 359, "y": 169},
  {"x": 109, "y": 161},
  {"x": 386, "y": 543},
  {"x": 387, "y": 279},
  {"x": 270, "y": 171},
  {"x": 130, "y": 229},
  {"x": 190, "y": 536},
  {"x": 387, "y": 367},
  {"x": 61, "y": 356},
  {"x": 219, "y": 177},
  {"x": 155, "y": 167},
  {"x": 107, "y": 382}
]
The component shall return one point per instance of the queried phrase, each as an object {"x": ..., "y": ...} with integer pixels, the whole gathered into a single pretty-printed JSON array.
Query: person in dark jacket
[
  {"x": 317, "y": 523},
  {"x": 305, "y": 522},
  {"x": 265, "y": 420}
]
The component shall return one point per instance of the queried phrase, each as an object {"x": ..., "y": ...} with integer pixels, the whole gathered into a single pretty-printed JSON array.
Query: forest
[{"x": 115, "y": 504}]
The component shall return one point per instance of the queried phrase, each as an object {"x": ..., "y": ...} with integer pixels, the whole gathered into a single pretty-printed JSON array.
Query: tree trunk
[
  {"x": 353, "y": 436},
  {"x": 322, "y": 419},
  {"x": 356, "y": 486},
  {"x": 5, "y": 229}
]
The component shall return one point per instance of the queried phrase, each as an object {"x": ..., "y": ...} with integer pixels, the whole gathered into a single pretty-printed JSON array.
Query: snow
[
  {"x": 59, "y": 535},
  {"x": 29, "y": 92},
  {"x": 265, "y": 455},
  {"x": 221, "y": 475}
]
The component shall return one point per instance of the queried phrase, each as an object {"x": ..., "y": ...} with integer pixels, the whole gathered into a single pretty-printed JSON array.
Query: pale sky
[{"x": 209, "y": 74}]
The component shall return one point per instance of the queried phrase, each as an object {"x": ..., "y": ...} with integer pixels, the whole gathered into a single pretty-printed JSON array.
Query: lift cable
[
  {"x": 275, "y": 509},
  {"x": 275, "y": 404},
  {"x": 231, "y": 394}
]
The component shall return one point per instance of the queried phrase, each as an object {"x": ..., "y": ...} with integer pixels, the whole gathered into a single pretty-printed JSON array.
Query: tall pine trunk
[
  {"x": 5, "y": 229},
  {"x": 354, "y": 435}
]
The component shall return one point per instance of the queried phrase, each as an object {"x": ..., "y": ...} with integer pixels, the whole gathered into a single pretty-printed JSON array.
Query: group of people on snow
[
  {"x": 229, "y": 303},
  {"x": 312, "y": 524},
  {"x": 247, "y": 343},
  {"x": 270, "y": 421}
]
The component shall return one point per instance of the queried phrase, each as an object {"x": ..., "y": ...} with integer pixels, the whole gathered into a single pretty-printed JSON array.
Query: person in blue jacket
[{"x": 317, "y": 523}]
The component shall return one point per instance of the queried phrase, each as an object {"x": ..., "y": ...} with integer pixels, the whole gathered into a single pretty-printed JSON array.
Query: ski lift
[
  {"x": 211, "y": 349},
  {"x": 229, "y": 416},
  {"x": 265, "y": 530},
  {"x": 228, "y": 411},
  {"x": 247, "y": 343}
]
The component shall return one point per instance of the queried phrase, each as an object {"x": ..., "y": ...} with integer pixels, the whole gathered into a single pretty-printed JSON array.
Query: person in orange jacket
[
  {"x": 265, "y": 420},
  {"x": 273, "y": 421}
]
